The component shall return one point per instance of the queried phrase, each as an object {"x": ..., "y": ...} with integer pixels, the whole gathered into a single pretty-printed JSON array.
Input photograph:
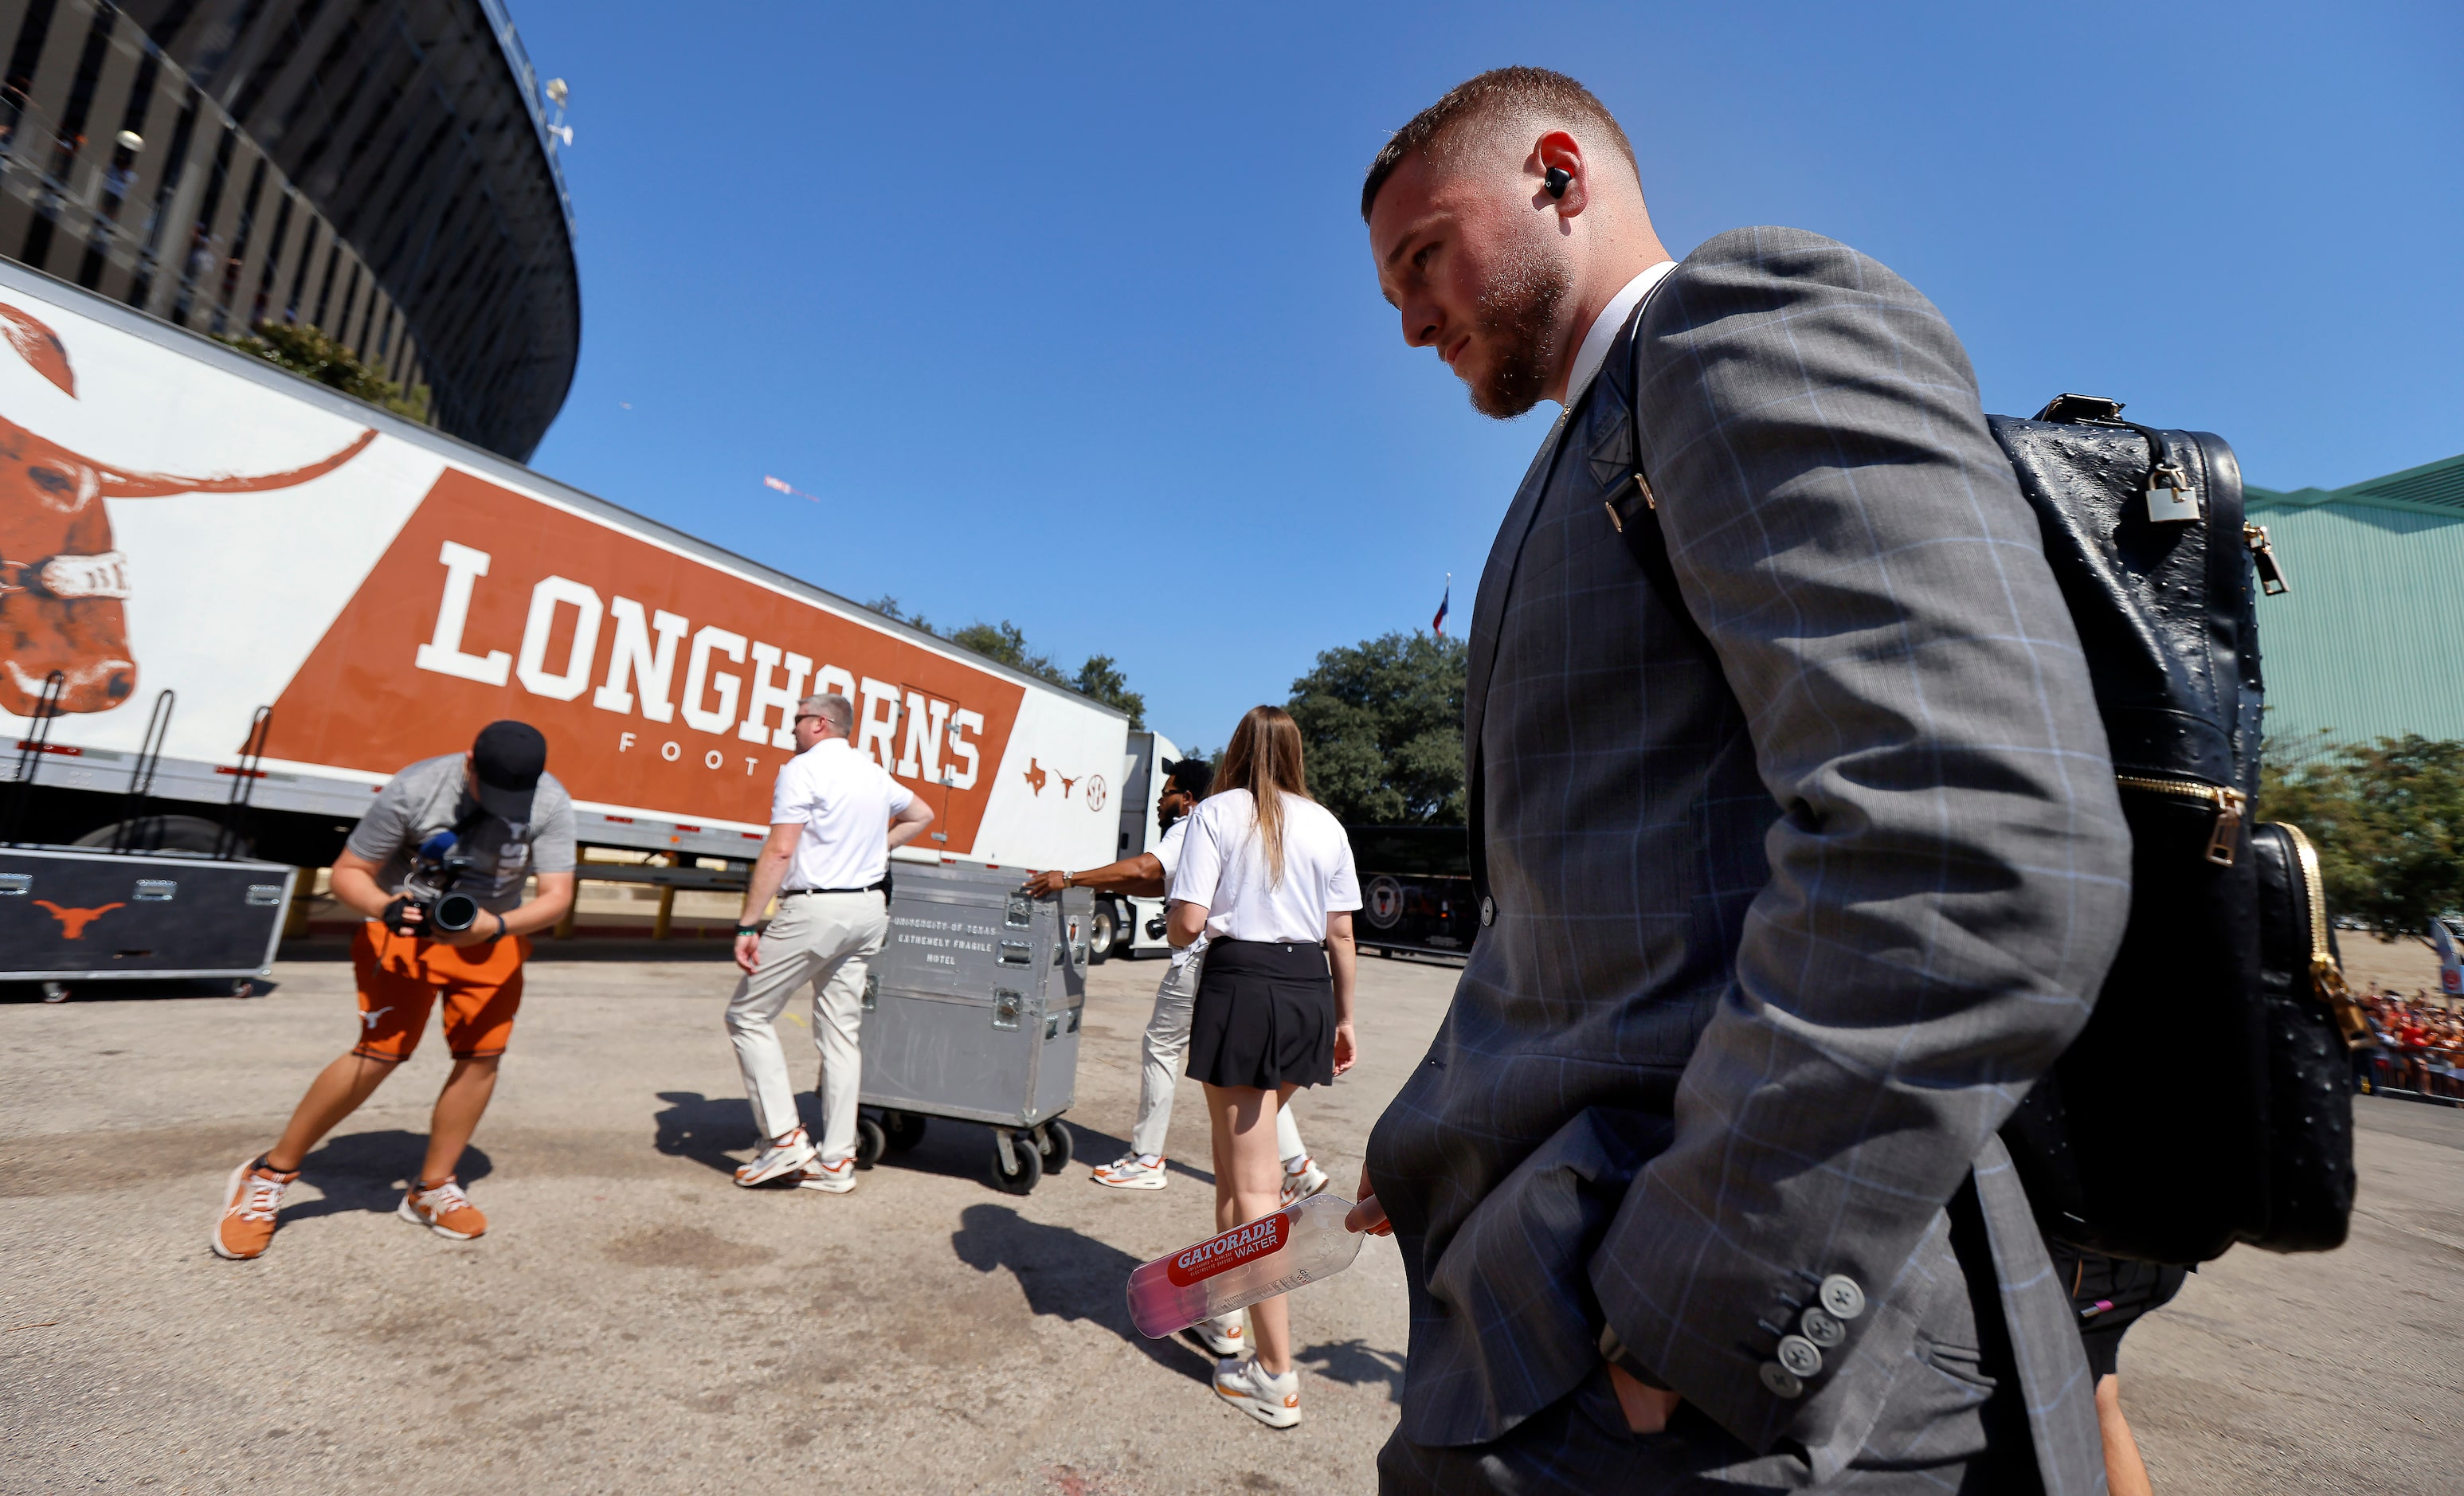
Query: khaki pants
[{"x": 824, "y": 939}]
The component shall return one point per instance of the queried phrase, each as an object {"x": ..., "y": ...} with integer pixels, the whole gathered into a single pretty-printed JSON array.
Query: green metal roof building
[{"x": 2370, "y": 641}]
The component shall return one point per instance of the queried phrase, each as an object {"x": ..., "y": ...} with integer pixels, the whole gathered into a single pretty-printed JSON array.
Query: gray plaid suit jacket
[{"x": 1797, "y": 877}]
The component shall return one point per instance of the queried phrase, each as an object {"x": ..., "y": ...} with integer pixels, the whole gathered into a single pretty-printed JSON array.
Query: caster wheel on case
[
  {"x": 869, "y": 1140},
  {"x": 903, "y": 1129},
  {"x": 1053, "y": 1141},
  {"x": 55, "y": 991},
  {"x": 1017, "y": 1165}
]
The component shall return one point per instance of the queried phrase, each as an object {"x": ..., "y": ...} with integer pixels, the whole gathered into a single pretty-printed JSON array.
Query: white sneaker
[
  {"x": 1272, "y": 1400},
  {"x": 785, "y": 1156},
  {"x": 1302, "y": 1178},
  {"x": 830, "y": 1178},
  {"x": 1133, "y": 1172},
  {"x": 1224, "y": 1335}
]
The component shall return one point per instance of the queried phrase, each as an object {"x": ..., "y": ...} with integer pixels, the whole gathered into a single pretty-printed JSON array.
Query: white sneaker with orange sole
[
  {"x": 1224, "y": 1335},
  {"x": 779, "y": 1158},
  {"x": 830, "y": 1178},
  {"x": 1272, "y": 1400}
]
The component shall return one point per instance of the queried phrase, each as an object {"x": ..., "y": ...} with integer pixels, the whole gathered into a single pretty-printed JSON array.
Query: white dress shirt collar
[{"x": 1594, "y": 350}]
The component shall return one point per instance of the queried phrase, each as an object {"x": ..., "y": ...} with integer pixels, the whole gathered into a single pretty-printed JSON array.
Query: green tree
[
  {"x": 1100, "y": 678},
  {"x": 1383, "y": 724},
  {"x": 305, "y": 350},
  {"x": 2387, "y": 819}
]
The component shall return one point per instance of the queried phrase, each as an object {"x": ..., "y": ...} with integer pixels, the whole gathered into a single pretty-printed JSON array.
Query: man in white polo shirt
[{"x": 834, "y": 816}]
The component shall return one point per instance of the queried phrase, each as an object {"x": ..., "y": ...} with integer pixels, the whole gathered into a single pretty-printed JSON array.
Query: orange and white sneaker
[
  {"x": 783, "y": 1156},
  {"x": 443, "y": 1209},
  {"x": 1272, "y": 1400},
  {"x": 1223, "y": 1336},
  {"x": 830, "y": 1179},
  {"x": 252, "y": 1202}
]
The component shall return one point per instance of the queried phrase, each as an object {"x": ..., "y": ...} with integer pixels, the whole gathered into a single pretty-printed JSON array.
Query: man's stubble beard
[{"x": 1518, "y": 318}]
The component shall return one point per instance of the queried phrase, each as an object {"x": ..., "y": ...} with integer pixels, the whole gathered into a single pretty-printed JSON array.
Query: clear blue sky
[{"x": 1065, "y": 313}]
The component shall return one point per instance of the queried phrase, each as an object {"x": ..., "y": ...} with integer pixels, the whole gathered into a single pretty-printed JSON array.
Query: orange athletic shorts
[{"x": 400, "y": 978}]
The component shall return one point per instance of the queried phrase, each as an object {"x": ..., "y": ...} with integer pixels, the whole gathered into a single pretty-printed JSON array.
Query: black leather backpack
[{"x": 2209, "y": 1100}]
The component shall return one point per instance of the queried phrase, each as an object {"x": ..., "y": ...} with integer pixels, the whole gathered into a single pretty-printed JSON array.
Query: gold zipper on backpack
[
  {"x": 2326, "y": 978},
  {"x": 2228, "y": 803}
]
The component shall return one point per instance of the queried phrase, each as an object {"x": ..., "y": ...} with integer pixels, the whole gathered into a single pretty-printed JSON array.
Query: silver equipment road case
[{"x": 972, "y": 1013}]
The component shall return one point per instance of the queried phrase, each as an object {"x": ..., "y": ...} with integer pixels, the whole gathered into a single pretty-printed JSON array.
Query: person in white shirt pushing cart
[{"x": 833, "y": 819}]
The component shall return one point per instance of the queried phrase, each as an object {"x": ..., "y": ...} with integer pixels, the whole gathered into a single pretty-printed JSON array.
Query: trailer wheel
[
  {"x": 161, "y": 834},
  {"x": 1101, "y": 929},
  {"x": 1016, "y": 1150},
  {"x": 1053, "y": 1141},
  {"x": 902, "y": 1130},
  {"x": 869, "y": 1140}
]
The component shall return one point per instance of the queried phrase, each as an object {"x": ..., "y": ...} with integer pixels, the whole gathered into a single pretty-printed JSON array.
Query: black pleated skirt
[{"x": 1263, "y": 1016}]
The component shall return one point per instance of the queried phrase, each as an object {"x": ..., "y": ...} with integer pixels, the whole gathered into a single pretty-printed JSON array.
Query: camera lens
[{"x": 456, "y": 913}]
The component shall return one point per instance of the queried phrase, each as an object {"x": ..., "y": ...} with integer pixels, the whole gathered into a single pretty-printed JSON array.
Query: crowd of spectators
[{"x": 2421, "y": 1046}]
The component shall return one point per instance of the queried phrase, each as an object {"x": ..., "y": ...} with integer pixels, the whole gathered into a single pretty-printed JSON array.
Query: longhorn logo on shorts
[{"x": 63, "y": 585}]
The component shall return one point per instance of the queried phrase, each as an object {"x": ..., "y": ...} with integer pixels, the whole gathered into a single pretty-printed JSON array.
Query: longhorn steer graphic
[
  {"x": 73, "y": 921},
  {"x": 62, "y": 583}
]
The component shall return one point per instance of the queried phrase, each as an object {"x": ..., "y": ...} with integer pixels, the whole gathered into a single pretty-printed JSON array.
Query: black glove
[{"x": 393, "y": 915}]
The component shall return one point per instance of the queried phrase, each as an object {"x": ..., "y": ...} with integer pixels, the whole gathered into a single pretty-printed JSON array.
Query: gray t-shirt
[{"x": 431, "y": 796}]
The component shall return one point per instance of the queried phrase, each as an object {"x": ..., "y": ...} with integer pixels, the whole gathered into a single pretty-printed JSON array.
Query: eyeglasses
[{"x": 810, "y": 716}]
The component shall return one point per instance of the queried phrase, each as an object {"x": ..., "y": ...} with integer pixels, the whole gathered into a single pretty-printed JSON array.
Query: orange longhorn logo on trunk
[
  {"x": 73, "y": 921},
  {"x": 63, "y": 585}
]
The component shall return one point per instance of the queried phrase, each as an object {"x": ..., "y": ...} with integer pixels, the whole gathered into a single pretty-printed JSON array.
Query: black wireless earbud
[{"x": 1559, "y": 179}]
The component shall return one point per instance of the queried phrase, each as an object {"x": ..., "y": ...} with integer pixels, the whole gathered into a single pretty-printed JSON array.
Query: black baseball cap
[
  {"x": 507, "y": 760},
  {"x": 1196, "y": 776}
]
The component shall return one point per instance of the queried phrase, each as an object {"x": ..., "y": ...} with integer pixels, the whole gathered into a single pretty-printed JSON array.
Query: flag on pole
[
  {"x": 1437, "y": 624},
  {"x": 783, "y": 487},
  {"x": 2451, "y": 976}
]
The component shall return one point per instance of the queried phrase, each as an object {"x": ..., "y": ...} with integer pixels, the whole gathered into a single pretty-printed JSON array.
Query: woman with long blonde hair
[{"x": 1266, "y": 878}]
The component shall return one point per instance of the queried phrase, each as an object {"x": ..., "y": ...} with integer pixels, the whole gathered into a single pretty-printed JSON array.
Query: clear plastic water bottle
[{"x": 1273, "y": 1254}]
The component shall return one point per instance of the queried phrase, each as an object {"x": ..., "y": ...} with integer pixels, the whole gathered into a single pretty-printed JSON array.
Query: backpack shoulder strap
[{"x": 1632, "y": 507}]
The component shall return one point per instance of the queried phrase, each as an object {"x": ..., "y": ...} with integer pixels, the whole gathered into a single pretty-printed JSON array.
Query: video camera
[{"x": 429, "y": 889}]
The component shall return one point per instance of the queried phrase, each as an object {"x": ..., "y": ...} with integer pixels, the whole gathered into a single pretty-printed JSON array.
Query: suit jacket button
[
  {"x": 1822, "y": 1328},
  {"x": 1841, "y": 1296},
  {"x": 1487, "y": 910},
  {"x": 1798, "y": 1357},
  {"x": 1780, "y": 1383}
]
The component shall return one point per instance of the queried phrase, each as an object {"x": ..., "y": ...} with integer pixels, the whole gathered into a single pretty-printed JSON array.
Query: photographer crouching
[{"x": 437, "y": 865}]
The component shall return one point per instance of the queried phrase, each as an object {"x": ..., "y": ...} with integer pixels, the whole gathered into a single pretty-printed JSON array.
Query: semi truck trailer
[{"x": 191, "y": 535}]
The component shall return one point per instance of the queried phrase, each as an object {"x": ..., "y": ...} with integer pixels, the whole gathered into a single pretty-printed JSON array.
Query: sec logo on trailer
[
  {"x": 1385, "y": 901},
  {"x": 1095, "y": 792}
]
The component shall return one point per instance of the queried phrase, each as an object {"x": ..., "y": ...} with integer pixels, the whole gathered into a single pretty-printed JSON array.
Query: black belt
[{"x": 870, "y": 888}]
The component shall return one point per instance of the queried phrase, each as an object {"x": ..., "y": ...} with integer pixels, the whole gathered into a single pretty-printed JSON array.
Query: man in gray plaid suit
[{"x": 1798, "y": 856}]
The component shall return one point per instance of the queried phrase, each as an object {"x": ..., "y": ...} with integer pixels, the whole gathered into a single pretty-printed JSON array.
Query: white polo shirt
[
  {"x": 1224, "y": 870},
  {"x": 843, "y": 800}
]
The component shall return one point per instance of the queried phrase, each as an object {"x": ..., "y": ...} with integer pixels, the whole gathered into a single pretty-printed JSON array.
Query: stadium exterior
[
  {"x": 379, "y": 169},
  {"x": 2369, "y": 643}
]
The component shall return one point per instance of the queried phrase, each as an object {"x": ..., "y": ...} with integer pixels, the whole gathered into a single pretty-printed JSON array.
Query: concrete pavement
[{"x": 635, "y": 1323}]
